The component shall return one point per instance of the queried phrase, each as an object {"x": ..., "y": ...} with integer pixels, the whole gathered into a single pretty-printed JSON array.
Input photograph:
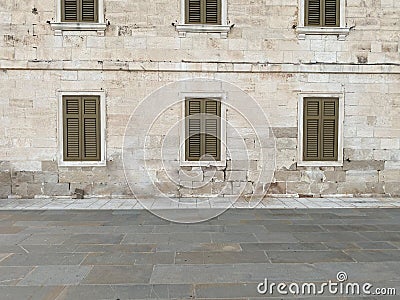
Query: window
[
  {"x": 203, "y": 12},
  {"x": 79, "y": 10},
  {"x": 322, "y": 13},
  {"x": 204, "y": 16},
  {"x": 82, "y": 122},
  {"x": 320, "y": 130},
  {"x": 322, "y": 17},
  {"x": 82, "y": 15},
  {"x": 203, "y": 130}
]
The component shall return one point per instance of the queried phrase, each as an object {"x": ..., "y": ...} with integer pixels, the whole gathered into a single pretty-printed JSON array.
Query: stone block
[
  {"x": 352, "y": 188},
  {"x": 393, "y": 189},
  {"x": 238, "y": 165},
  {"x": 236, "y": 176},
  {"x": 215, "y": 176},
  {"x": 56, "y": 189},
  {"x": 335, "y": 176},
  {"x": 221, "y": 188},
  {"x": 287, "y": 175},
  {"x": 42, "y": 177},
  {"x": 389, "y": 176},
  {"x": 49, "y": 165},
  {"x": 193, "y": 175},
  {"x": 298, "y": 188},
  {"x": 353, "y": 176},
  {"x": 275, "y": 188},
  {"x": 242, "y": 188},
  {"x": 364, "y": 165},
  {"x": 284, "y": 132}
]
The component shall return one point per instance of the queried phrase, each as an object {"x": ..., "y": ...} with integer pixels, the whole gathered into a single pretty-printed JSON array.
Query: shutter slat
[
  {"x": 211, "y": 138},
  {"x": 312, "y": 137},
  {"x": 194, "y": 107},
  {"x": 329, "y": 108},
  {"x": 212, "y": 11},
  {"x": 328, "y": 138},
  {"x": 70, "y": 10},
  {"x": 90, "y": 106},
  {"x": 312, "y": 108},
  {"x": 314, "y": 12},
  {"x": 72, "y": 128},
  {"x": 88, "y": 10},
  {"x": 90, "y": 138},
  {"x": 211, "y": 107},
  {"x": 331, "y": 12},
  {"x": 194, "y": 11},
  {"x": 194, "y": 139}
]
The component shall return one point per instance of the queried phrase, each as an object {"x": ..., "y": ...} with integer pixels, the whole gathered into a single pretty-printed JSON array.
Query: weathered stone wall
[{"x": 141, "y": 52}]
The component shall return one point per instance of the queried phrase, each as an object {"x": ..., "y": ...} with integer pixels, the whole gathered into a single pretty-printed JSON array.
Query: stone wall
[{"x": 141, "y": 52}]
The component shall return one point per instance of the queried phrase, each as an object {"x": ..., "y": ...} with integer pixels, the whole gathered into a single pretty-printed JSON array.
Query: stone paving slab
[
  {"x": 133, "y": 254},
  {"x": 193, "y": 203}
]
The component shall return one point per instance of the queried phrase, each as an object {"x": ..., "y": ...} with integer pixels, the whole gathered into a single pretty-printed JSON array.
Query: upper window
[
  {"x": 203, "y": 12},
  {"x": 203, "y": 130},
  {"x": 82, "y": 126},
  {"x": 322, "y": 13},
  {"x": 79, "y": 10},
  {"x": 322, "y": 17},
  {"x": 82, "y": 15},
  {"x": 204, "y": 16}
]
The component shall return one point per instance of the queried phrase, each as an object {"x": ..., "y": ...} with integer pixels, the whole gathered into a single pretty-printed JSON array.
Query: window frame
[
  {"x": 223, "y": 29},
  {"x": 303, "y": 30},
  {"x": 102, "y": 118},
  {"x": 182, "y": 134},
  {"x": 59, "y": 26},
  {"x": 300, "y": 129}
]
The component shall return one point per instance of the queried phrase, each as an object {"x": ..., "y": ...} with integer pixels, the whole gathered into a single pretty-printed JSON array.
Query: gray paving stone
[
  {"x": 341, "y": 236},
  {"x": 55, "y": 275},
  {"x": 119, "y": 274},
  {"x": 282, "y": 246},
  {"x": 126, "y": 248},
  {"x": 229, "y": 237},
  {"x": 224, "y": 291},
  {"x": 95, "y": 239},
  {"x": 313, "y": 256},
  {"x": 174, "y": 237},
  {"x": 36, "y": 259},
  {"x": 220, "y": 257},
  {"x": 375, "y": 245},
  {"x": 12, "y": 275},
  {"x": 130, "y": 258},
  {"x": 29, "y": 292},
  {"x": 276, "y": 237},
  {"x": 382, "y": 236},
  {"x": 374, "y": 255},
  {"x": 45, "y": 239}
]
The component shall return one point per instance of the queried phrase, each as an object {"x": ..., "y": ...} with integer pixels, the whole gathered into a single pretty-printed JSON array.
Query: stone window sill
[
  {"x": 319, "y": 163},
  {"x": 63, "y": 163},
  {"x": 341, "y": 32},
  {"x": 186, "y": 163},
  {"x": 59, "y": 27},
  {"x": 185, "y": 28}
]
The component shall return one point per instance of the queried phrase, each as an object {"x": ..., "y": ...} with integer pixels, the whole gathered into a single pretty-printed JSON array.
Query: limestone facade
[{"x": 263, "y": 53}]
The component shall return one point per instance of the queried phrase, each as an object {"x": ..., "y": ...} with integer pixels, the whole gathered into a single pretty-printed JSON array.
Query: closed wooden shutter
[
  {"x": 203, "y": 129},
  {"x": 72, "y": 124},
  {"x": 91, "y": 128},
  {"x": 322, "y": 13},
  {"x": 89, "y": 10},
  {"x": 79, "y": 10},
  {"x": 203, "y": 11},
  {"x": 331, "y": 13},
  {"x": 81, "y": 119},
  {"x": 70, "y": 10},
  {"x": 320, "y": 129}
]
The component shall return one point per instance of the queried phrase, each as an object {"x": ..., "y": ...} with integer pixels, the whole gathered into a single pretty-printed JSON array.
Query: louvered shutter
[
  {"x": 70, "y": 10},
  {"x": 91, "y": 128},
  {"x": 193, "y": 129},
  {"x": 72, "y": 124},
  {"x": 331, "y": 13},
  {"x": 320, "y": 129},
  {"x": 212, "y": 12},
  {"x": 89, "y": 10},
  {"x": 212, "y": 128},
  {"x": 313, "y": 12},
  {"x": 329, "y": 129},
  {"x": 311, "y": 129},
  {"x": 193, "y": 11}
]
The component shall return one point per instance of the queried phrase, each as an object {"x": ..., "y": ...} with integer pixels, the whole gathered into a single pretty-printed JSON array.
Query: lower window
[
  {"x": 81, "y": 128},
  {"x": 202, "y": 129},
  {"x": 320, "y": 129}
]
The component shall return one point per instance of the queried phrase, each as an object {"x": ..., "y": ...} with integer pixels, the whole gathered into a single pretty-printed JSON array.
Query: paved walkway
[
  {"x": 132, "y": 254},
  {"x": 226, "y": 202}
]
